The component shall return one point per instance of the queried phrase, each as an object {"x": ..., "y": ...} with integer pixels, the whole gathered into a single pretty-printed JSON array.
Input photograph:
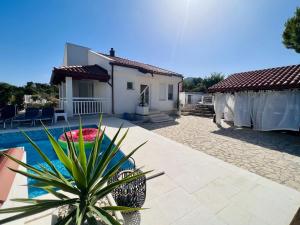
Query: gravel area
[{"x": 274, "y": 155}]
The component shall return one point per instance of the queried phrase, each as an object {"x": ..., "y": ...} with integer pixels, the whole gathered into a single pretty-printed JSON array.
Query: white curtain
[
  {"x": 266, "y": 110},
  {"x": 242, "y": 114},
  {"x": 229, "y": 107},
  {"x": 224, "y": 105},
  {"x": 280, "y": 110},
  {"x": 219, "y": 105}
]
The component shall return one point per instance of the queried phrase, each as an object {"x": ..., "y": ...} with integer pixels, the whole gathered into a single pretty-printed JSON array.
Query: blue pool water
[{"x": 17, "y": 139}]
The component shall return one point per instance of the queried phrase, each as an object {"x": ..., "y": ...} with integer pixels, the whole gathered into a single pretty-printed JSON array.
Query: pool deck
[{"x": 200, "y": 189}]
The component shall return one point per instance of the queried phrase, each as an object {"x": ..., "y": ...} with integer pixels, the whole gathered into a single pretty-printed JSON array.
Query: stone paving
[{"x": 273, "y": 155}]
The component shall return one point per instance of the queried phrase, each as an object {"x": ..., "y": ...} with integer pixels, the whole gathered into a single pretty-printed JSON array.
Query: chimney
[{"x": 112, "y": 52}]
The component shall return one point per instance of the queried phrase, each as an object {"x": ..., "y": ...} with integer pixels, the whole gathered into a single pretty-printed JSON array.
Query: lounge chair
[
  {"x": 7, "y": 114},
  {"x": 47, "y": 115},
  {"x": 30, "y": 115}
]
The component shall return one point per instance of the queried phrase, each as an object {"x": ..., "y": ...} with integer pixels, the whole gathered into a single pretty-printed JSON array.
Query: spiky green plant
[{"x": 87, "y": 181}]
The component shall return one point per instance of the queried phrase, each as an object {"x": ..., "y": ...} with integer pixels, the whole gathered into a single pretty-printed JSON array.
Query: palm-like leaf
[{"x": 87, "y": 181}]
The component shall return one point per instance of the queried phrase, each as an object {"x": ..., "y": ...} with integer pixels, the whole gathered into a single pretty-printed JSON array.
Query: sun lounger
[
  {"x": 47, "y": 115},
  {"x": 30, "y": 115},
  {"x": 7, "y": 114}
]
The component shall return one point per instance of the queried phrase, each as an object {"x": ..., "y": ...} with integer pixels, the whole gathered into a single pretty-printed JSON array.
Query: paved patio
[
  {"x": 270, "y": 154},
  {"x": 200, "y": 189}
]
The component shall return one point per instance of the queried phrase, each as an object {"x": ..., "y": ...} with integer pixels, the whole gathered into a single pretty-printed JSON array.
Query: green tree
[
  {"x": 6, "y": 91},
  {"x": 18, "y": 97},
  {"x": 213, "y": 79},
  {"x": 291, "y": 33},
  {"x": 10, "y": 94},
  {"x": 202, "y": 84},
  {"x": 30, "y": 88}
]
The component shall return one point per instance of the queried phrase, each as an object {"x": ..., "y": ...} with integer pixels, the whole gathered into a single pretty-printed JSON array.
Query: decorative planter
[
  {"x": 142, "y": 110},
  {"x": 132, "y": 194},
  {"x": 63, "y": 211}
]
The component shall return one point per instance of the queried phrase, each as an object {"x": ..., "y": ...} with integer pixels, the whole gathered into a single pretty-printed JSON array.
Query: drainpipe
[{"x": 112, "y": 90}]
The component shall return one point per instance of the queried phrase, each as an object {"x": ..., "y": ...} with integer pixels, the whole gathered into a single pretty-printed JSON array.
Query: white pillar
[{"x": 69, "y": 96}]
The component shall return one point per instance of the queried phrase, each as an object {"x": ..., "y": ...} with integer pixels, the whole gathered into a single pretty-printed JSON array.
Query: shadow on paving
[
  {"x": 283, "y": 141},
  {"x": 155, "y": 126}
]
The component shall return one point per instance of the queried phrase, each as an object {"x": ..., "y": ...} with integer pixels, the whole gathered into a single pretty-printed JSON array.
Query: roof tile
[
  {"x": 145, "y": 68},
  {"x": 94, "y": 72},
  {"x": 279, "y": 78}
]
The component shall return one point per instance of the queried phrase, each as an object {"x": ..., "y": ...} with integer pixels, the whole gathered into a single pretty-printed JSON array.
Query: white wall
[
  {"x": 96, "y": 58},
  {"x": 127, "y": 100},
  {"x": 75, "y": 55},
  {"x": 103, "y": 90},
  {"x": 196, "y": 97}
]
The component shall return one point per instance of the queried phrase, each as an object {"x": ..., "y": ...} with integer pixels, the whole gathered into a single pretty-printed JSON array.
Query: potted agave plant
[{"x": 88, "y": 181}]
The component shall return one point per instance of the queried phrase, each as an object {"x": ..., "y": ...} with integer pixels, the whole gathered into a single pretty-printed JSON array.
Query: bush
[{"x": 10, "y": 94}]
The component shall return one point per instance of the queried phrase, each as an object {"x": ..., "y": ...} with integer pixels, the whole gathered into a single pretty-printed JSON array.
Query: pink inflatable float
[{"x": 89, "y": 137}]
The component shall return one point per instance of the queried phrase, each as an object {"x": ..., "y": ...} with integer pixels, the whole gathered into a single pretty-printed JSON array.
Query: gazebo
[{"x": 267, "y": 99}]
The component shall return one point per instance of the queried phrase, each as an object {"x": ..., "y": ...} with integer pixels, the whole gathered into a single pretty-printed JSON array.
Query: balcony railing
[{"x": 84, "y": 106}]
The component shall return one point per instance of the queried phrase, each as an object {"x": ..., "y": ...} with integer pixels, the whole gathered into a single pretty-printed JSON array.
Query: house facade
[
  {"x": 267, "y": 99},
  {"x": 190, "y": 98},
  {"x": 91, "y": 82}
]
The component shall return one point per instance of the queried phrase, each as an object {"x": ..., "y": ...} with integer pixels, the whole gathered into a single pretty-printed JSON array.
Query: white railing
[{"x": 83, "y": 106}]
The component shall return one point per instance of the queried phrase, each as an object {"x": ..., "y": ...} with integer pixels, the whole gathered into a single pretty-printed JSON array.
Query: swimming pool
[{"x": 17, "y": 139}]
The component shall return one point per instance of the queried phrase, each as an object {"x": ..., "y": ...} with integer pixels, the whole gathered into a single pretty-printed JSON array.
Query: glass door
[{"x": 145, "y": 93}]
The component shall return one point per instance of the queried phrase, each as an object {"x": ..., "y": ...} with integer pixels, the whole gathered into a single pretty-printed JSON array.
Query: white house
[
  {"x": 190, "y": 98},
  {"x": 91, "y": 82},
  {"x": 267, "y": 99}
]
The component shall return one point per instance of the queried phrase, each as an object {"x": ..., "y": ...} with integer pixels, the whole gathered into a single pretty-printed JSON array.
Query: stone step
[
  {"x": 161, "y": 117},
  {"x": 154, "y": 111},
  {"x": 203, "y": 107},
  {"x": 198, "y": 111}
]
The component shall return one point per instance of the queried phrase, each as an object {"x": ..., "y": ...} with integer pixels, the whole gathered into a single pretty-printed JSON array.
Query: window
[
  {"x": 85, "y": 89},
  {"x": 170, "y": 92},
  {"x": 129, "y": 85},
  {"x": 162, "y": 92}
]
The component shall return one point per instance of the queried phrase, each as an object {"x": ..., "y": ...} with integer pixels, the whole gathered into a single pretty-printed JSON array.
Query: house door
[
  {"x": 145, "y": 95},
  {"x": 189, "y": 99}
]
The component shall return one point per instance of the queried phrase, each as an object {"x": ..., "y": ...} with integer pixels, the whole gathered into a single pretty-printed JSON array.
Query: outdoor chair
[
  {"x": 47, "y": 115},
  {"x": 7, "y": 114},
  {"x": 30, "y": 115}
]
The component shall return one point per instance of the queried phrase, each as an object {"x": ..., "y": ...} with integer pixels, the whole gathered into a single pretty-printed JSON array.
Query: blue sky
[{"x": 192, "y": 37}]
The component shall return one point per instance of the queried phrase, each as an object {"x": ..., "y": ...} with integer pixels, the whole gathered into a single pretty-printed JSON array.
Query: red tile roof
[
  {"x": 93, "y": 72},
  {"x": 287, "y": 77},
  {"x": 142, "y": 67}
]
